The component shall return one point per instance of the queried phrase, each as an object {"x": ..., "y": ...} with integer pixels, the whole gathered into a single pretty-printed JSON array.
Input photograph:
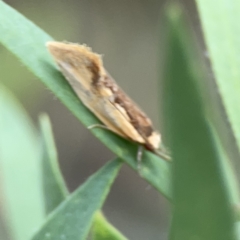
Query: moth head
[{"x": 154, "y": 141}]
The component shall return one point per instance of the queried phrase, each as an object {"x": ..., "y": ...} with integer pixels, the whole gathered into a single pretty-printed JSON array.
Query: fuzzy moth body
[{"x": 98, "y": 91}]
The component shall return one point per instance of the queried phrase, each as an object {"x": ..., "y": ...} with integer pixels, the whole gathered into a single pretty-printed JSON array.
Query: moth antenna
[{"x": 162, "y": 154}]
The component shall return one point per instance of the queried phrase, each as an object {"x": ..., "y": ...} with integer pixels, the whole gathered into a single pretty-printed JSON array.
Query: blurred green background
[{"x": 128, "y": 34}]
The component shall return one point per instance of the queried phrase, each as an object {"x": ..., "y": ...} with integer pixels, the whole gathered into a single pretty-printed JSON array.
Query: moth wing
[
  {"x": 98, "y": 91},
  {"x": 140, "y": 126},
  {"x": 108, "y": 113}
]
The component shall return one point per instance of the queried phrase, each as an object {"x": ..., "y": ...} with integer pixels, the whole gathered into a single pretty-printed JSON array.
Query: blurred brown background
[{"x": 128, "y": 33}]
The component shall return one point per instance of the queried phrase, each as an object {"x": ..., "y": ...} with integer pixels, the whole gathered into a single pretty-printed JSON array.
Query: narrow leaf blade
[
  {"x": 202, "y": 207},
  {"x": 54, "y": 188},
  {"x": 220, "y": 23},
  {"x": 73, "y": 218}
]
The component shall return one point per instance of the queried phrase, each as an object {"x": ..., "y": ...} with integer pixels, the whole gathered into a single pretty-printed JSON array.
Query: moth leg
[
  {"x": 139, "y": 157},
  {"x": 98, "y": 126}
]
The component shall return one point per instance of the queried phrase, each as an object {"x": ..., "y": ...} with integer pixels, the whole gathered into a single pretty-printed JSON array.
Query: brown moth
[{"x": 99, "y": 92}]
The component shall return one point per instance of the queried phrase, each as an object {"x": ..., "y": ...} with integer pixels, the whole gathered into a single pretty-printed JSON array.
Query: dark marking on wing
[{"x": 137, "y": 117}]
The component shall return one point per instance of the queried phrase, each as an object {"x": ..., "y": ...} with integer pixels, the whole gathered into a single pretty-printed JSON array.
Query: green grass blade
[
  {"x": 73, "y": 218},
  {"x": 20, "y": 169},
  {"x": 202, "y": 208},
  {"x": 220, "y": 22},
  {"x": 54, "y": 188},
  {"x": 220, "y": 27},
  {"x": 27, "y": 42},
  {"x": 103, "y": 230}
]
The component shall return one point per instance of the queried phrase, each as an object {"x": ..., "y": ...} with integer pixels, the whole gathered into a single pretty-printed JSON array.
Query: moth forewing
[{"x": 100, "y": 94}]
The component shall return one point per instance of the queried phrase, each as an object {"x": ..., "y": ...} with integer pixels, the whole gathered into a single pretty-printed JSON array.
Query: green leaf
[
  {"x": 27, "y": 42},
  {"x": 20, "y": 169},
  {"x": 73, "y": 218},
  {"x": 202, "y": 208},
  {"x": 103, "y": 230},
  {"x": 220, "y": 22},
  {"x": 54, "y": 188}
]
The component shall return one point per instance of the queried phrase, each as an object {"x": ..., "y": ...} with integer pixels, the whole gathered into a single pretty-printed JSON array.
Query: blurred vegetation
[{"x": 202, "y": 181}]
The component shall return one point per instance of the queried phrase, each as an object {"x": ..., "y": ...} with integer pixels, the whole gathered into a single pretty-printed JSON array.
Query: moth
[{"x": 98, "y": 91}]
